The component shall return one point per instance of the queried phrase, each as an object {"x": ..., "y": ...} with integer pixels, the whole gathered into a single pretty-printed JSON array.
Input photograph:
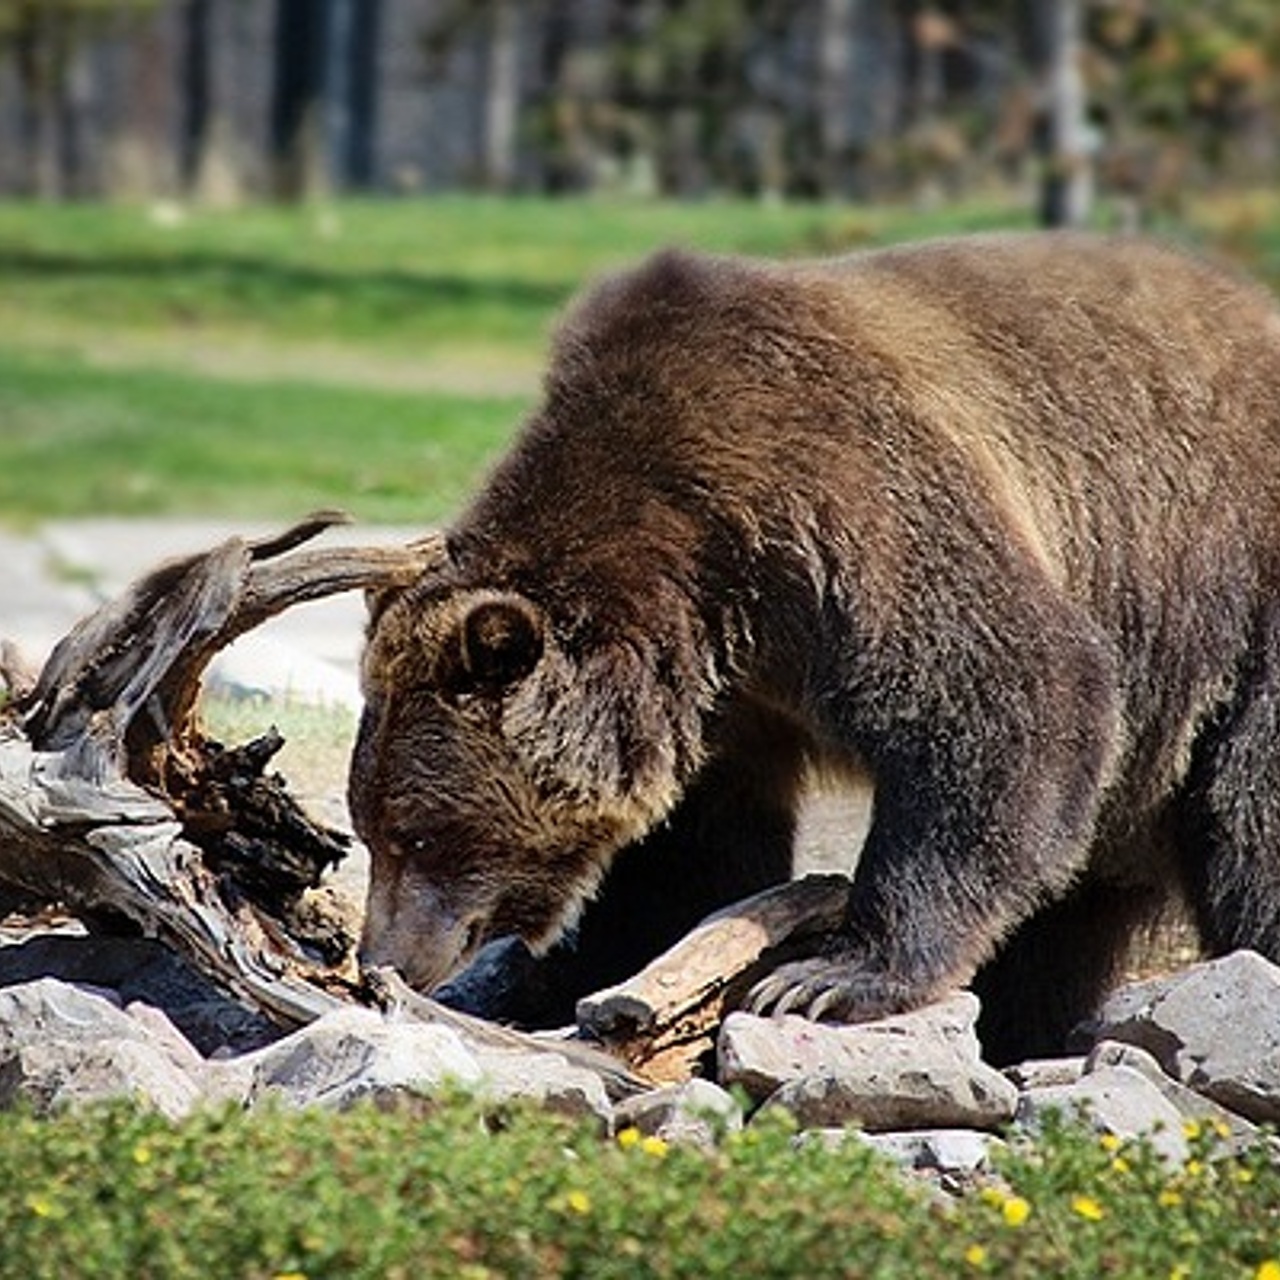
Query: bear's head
[{"x": 497, "y": 769}]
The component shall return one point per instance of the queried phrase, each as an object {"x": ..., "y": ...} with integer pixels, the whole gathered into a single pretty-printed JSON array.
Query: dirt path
[{"x": 466, "y": 370}]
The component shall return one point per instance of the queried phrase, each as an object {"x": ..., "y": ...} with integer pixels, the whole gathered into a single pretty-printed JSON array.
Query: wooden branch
[
  {"x": 112, "y": 849},
  {"x": 664, "y": 1020},
  {"x": 113, "y": 804},
  {"x": 120, "y": 688}
]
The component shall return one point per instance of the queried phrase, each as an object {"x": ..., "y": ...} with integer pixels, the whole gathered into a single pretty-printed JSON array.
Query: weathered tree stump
[{"x": 115, "y": 805}]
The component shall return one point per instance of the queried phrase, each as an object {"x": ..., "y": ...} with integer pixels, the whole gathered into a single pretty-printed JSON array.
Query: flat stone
[
  {"x": 1238, "y": 1133},
  {"x": 352, "y": 1055},
  {"x": 1214, "y": 1027},
  {"x": 697, "y": 1112},
  {"x": 63, "y": 1045},
  {"x": 46, "y": 1009},
  {"x": 141, "y": 970},
  {"x": 1116, "y": 1100},
  {"x": 548, "y": 1079},
  {"x": 1043, "y": 1073},
  {"x": 53, "y": 1075},
  {"x": 913, "y": 1071},
  {"x": 957, "y": 1151}
]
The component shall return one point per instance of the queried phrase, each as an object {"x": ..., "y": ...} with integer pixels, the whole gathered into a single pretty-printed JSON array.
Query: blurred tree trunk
[
  {"x": 299, "y": 159},
  {"x": 835, "y": 74},
  {"x": 1067, "y": 190},
  {"x": 40, "y": 50},
  {"x": 141, "y": 157},
  {"x": 197, "y": 90},
  {"x": 572, "y": 63},
  {"x": 358, "y": 52},
  {"x": 209, "y": 153},
  {"x": 502, "y": 94}
]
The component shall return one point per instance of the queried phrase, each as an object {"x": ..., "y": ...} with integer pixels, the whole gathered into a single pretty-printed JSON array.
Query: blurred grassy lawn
[
  {"x": 261, "y": 363},
  {"x": 369, "y": 355}
]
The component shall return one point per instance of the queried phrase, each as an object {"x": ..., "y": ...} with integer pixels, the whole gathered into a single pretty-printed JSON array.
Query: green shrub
[{"x": 451, "y": 1191}]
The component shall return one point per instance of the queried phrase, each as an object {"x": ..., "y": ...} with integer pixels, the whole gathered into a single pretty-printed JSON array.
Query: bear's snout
[{"x": 410, "y": 927}]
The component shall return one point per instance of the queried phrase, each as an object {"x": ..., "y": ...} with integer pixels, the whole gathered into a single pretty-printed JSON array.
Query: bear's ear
[
  {"x": 498, "y": 642},
  {"x": 376, "y": 600}
]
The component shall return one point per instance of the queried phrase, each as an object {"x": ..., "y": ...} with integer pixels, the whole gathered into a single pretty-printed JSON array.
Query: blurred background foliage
[
  {"x": 217, "y": 100},
  {"x": 259, "y": 255}
]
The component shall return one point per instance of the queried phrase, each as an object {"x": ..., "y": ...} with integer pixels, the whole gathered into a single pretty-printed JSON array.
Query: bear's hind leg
[
  {"x": 1052, "y": 972},
  {"x": 1229, "y": 817}
]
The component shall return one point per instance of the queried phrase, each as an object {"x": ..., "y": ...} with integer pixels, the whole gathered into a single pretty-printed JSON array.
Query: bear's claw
[{"x": 829, "y": 990}]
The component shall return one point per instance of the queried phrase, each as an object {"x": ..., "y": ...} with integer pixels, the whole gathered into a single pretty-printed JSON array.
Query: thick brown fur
[{"x": 996, "y": 519}]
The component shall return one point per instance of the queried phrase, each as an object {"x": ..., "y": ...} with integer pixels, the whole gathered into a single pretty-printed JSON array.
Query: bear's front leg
[{"x": 980, "y": 820}]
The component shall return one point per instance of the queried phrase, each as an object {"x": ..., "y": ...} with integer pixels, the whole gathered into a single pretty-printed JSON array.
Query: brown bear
[{"x": 994, "y": 520}]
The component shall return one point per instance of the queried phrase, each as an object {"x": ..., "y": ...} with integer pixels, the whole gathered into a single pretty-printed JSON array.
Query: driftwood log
[
  {"x": 116, "y": 807},
  {"x": 663, "y": 1021},
  {"x": 114, "y": 804}
]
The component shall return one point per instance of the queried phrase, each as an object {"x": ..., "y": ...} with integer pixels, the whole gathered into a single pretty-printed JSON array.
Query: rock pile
[{"x": 1203, "y": 1044}]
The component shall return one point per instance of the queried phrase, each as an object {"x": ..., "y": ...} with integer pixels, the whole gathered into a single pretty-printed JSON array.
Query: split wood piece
[{"x": 664, "y": 1020}]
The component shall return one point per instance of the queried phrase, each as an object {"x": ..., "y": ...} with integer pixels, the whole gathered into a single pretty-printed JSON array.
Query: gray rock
[
  {"x": 696, "y": 1113},
  {"x": 919, "y": 1070},
  {"x": 1238, "y": 1133},
  {"x": 62, "y": 1046},
  {"x": 1042, "y": 1073},
  {"x": 1214, "y": 1027},
  {"x": 1116, "y": 1100},
  {"x": 962, "y": 1152},
  {"x": 56, "y": 1074},
  {"x": 549, "y": 1079},
  {"x": 140, "y": 970},
  {"x": 352, "y": 1055},
  {"x": 48, "y": 1010}
]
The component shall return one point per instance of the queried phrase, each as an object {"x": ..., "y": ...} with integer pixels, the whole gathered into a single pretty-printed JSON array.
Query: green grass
[
  {"x": 448, "y": 270},
  {"x": 451, "y": 1191},
  {"x": 76, "y": 440},
  {"x": 265, "y": 362},
  {"x": 370, "y": 354}
]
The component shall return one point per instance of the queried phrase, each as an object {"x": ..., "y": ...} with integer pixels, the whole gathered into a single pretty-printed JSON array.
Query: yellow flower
[
  {"x": 1120, "y": 1165},
  {"x": 629, "y": 1137},
  {"x": 975, "y": 1255},
  {"x": 41, "y": 1206},
  {"x": 1222, "y": 1129},
  {"x": 1088, "y": 1208},
  {"x": 1015, "y": 1211},
  {"x": 1194, "y": 1168},
  {"x": 1192, "y": 1129},
  {"x": 1169, "y": 1198},
  {"x": 656, "y": 1147},
  {"x": 578, "y": 1201},
  {"x": 141, "y": 1153},
  {"x": 1109, "y": 1142},
  {"x": 1180, "y": 1272},
  {"x": 1268, "y": 1270},
  {"x": 1244, "y": 1175}
]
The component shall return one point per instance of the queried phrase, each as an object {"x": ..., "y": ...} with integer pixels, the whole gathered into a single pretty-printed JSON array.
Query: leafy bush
[{"x": 449, "y": 1190}]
